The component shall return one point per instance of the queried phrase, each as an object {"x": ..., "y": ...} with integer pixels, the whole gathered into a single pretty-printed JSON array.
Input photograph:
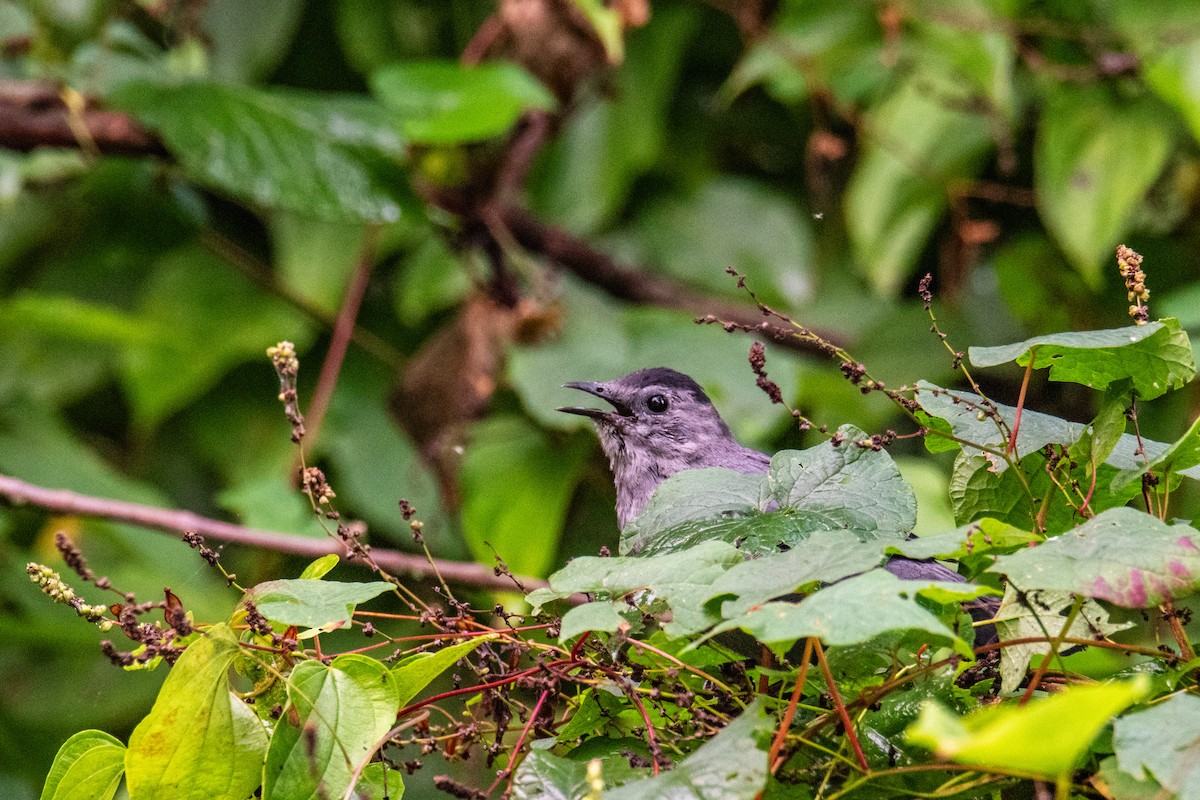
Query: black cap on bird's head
[{"x": 661, "y": 422}]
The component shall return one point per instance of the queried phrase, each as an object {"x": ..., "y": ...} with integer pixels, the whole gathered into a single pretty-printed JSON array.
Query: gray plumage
[{"x": 661, "y": 423}]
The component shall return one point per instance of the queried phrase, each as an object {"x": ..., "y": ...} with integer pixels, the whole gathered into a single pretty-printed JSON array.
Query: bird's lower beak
[{"x": 599, "y": 390}]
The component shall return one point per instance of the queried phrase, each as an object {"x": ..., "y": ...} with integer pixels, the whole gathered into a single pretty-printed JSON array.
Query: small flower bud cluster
[
  {"x": 316, "y": 487},
  {"x": 287, "y": 367},
  {"x": 53, "y": 586},
  {"x": 758, "y": 363},
  {"x": 1130, "y": 264}
]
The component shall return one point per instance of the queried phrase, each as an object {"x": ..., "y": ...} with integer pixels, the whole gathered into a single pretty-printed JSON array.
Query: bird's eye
[{"x": 657, "y": 403}]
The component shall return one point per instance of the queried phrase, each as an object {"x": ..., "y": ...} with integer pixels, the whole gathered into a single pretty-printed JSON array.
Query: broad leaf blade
[
  {"x": 1156, "y": 357},
  {"x": 88, "y": 766},
  {"x": 199, "y": 741},
  {"x": 416, "y": 672},
  {"x": 313, "y": 604},
  {"x": 445, "y": 102},
  {"x": 1162, "y": 741},
  {"x": 730, "y": 766},
  {"x": 1123, "y": 556},
  {"x": 336, "y": 715},
  {"x": 322, "y": 156},
  {"x": 1032, "y": 738}
]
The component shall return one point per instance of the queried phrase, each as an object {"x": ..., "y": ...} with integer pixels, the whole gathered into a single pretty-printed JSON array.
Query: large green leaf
[
  {"x": 1094, "y": 160},
  {"x": 516, "y": 484},
  {"x": 200, "y": 741},
  {"x": 826, "y": 487},
  {"x": 1046, "y": 737},
  {"x": 336, "y": 715},
  {"x": 313, "y": 604},
  {"x": 326, "y": 156},
  {"x": 962, "y": 411},
  {"x": 854, "y": 611},
  {"x": 682, "y": 579},
  {"x": 88, "y": 766},
  {"x": 730, "y": 766},
  {"x": 446, "y": 102},
  {"x": 1124, "y": 556},
  {"x": 1156, "y": 357},
  {"x": 1161, "y": 742},
  {"x": 917, "y": 142}
]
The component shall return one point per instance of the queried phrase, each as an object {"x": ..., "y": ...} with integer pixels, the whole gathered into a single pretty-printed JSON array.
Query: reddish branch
[{"x": 61, "y": 501}]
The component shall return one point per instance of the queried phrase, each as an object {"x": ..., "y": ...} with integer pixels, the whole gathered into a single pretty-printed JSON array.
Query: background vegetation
[{"x": 185, "y": 183}]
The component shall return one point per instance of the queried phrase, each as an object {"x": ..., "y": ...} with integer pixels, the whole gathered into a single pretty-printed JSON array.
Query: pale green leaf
[
  {"x": 1031, "y": 738},
  {"x": 1161, "y": 743},
  {"x": 200, "y": 741},
  {"x": 88, "y": 766},
  {"x": 416, "y": 672}
]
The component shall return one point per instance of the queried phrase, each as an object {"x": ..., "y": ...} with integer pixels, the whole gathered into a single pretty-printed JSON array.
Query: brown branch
[
  {"x": 33, "y": 114},
  {"x": 635, "y": 286},
  {"x": 62, "y": 501}
]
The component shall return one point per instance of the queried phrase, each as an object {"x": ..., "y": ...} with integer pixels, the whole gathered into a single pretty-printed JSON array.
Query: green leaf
[
  {"x": 977, "y": 538},
  {"x": 1094, "y": 159},
  {"x": 1180, "y": 456},
  {"x": 962, "y": 411},
  {"x": 200, "y": 740},
  {"x": 445, "y": 102},
  {"x": 337, "y": 713},
  {"x": 544, "y": 776},
  {"x": 416, "y": 672},
  {"x": 1156, "y": 356},
  {"x": 320, "y": 568},
  {"x": 917, "y": 142},
  {"x": 66, "y": 317},
  {"x": 313, "y": 604},
  {"x": 825, "y": 487},
  {"x": 1123, "y": 556},
  {"x": 1036, "y": 613},
  {"x": 88, "y": 766},
  {"x": 683, "y": 580},
  {"x": 379, "y": 782},
  {"x": 599, "y": 616},
  {"x": 1161, "y": 743},
  {"x": 730, "y": 766},
  {"x": 1031, "y": 738},
  {"x": 824, "y": 557},
  {"x": 320, "y": 155},
  {"x": 516, "y": 484},
  {"x": 854, "y": 611},
  {"x": 246, "y": 41}
]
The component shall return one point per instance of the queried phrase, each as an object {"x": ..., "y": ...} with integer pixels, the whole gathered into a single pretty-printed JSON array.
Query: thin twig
[
  {"x": 786, "y": 723},
  {"x": 62, "y": 501},
  {"x": 838, "y": 704}
]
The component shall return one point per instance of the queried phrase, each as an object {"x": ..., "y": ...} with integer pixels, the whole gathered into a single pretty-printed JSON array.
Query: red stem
[
  {"x": 841, "y": 709},
  {"x": 520, "y": 741},
  {"x": 786, "y": 723},
  {"x": 1012, "y": 441}
]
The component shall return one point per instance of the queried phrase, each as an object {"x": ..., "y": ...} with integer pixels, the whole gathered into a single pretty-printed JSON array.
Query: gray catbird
[{"x": 662, "y": 422}]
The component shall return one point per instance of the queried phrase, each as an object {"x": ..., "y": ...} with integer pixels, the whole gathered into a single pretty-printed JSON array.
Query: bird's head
[{"x": 658, "y": 414}]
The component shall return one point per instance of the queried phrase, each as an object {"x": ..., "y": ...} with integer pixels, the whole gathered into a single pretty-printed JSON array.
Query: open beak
[{"x": 599, "y": 390}]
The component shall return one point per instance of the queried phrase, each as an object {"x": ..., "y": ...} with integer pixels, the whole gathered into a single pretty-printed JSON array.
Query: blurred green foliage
[{"x": 831, "y": 151}]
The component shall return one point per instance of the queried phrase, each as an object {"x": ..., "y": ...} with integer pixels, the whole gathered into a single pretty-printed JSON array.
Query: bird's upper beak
[{"x": 604, "y": 392}]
